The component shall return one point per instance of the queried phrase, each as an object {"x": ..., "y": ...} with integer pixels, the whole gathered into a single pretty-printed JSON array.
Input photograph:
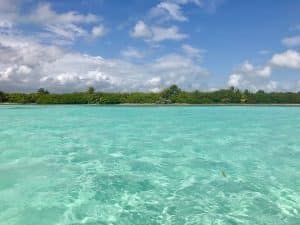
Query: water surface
[{"x": 71, "y": 165}]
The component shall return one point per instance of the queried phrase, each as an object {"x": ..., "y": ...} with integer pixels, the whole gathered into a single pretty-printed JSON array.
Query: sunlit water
[{"x": 71, "y": 165}]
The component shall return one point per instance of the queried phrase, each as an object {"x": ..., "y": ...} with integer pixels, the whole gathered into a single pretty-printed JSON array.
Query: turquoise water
[{"x": 93, "y": 165}]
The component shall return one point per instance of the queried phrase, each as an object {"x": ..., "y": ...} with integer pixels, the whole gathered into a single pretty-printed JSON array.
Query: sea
[{"x": 149, "y": 165}]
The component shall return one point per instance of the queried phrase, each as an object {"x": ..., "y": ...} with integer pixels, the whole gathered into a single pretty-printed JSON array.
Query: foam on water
[{"x": 71, "y": 165}]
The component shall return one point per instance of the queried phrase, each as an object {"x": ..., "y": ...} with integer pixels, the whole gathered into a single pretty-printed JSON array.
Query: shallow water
[{"x": 76, "y": 165}]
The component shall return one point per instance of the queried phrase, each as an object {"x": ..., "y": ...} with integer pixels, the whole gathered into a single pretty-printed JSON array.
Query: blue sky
[{"x": 136, "y": 45}]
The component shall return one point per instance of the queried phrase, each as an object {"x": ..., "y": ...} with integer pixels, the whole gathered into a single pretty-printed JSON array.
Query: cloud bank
[
  {"x": 27, "y": 65},
  {"x": 247, "y": 76}
]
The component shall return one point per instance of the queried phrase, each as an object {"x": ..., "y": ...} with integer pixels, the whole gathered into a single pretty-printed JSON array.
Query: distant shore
[
  {"x": 212, "y": 104},
  {"x": 172, "y": 96},
  {"x": 150, "y": 104}
]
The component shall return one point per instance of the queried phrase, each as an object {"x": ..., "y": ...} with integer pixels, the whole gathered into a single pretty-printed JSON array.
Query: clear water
[{"x": 76, "y": 165}]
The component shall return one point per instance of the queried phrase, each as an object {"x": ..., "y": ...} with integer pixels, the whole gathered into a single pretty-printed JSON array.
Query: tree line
[{"x": 171, "y": 95}]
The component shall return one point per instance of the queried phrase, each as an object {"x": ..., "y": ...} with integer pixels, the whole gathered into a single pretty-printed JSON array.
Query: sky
[{"x": 148, "y": 45}]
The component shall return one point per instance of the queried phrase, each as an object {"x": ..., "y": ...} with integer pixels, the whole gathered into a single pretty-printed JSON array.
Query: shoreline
[
  {"x": 160, "y": 105},
  {"x": 212, "y": 104}
]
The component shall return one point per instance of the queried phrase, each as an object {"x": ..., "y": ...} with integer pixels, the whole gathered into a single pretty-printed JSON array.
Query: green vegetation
[
  {"x": 3, "y": 97},
  {"x": 170, "y": 95},
  {"x": 91, "y": 90},
  {"x": 42, "y": 91}
]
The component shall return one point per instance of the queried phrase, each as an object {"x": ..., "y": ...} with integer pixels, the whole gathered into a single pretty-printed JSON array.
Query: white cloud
[
  {"x": 234, "y": 80},
  {"x": 247, "y": 76},
  {"x": 165, "y": 11},
  {"x": 157, "y": 33},
  {"x": 169, "y": 11},
  {"x": 64, "y": 26},
  {"x": 23, "y": 69},
  {"x": 141, "y": 30},
  {"x": 264, "y": 72},
  {"x": 173, "y": 9},
  {"x": 44, "y": 14},
  {"x": 242, "y": 82},
  {"x": 26, "y": 65},
  {"x": 59, "y": 28},
  {"x": 98, "y": 31},
  {"x": 131, "y": 52},
  {"x": 154, "y": 81},
  {"x": 10, "y": 5},
  {"x": 246, "y": 67},
  {"x": 289, "y": 59},
  {"x": 8, "y": 12},
  {"x": 167, "y": 33},
  {"x": 176, "y": 63},
  {"x": 209, "y": 5},
  {"x": 190, "y": 50},
  {"x": 291, "y": 41},
  {"x": 67, "y": 31},
  {"x": 182, "y": 2},
  {"x": 5, "y": 24}
]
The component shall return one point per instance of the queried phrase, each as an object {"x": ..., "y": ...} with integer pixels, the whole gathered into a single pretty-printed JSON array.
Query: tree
[
  {"x": 2, "y": 97},
  {"x": 232, "y": 88},
  {"x": 244, "y": 99},
  {"x": 170, "y": 92},
  {"x": 247, "y": 92},
  {"x": 261, "y": 92},
  {"x": 42, "y": 91},
  {"x": 170, "y": 95},
  {"x": 91, "y": 90}
]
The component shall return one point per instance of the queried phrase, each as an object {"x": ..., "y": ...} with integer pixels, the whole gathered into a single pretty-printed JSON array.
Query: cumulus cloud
[
  {"x": 98, "y": 31},
  {"x": 157, "y": 33},
  {"x": 247, "y": 76},
  {"x": 26, "y": 65},
  {"x": 288, "y": 59},
  {"x": 141, "y": 30}
]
